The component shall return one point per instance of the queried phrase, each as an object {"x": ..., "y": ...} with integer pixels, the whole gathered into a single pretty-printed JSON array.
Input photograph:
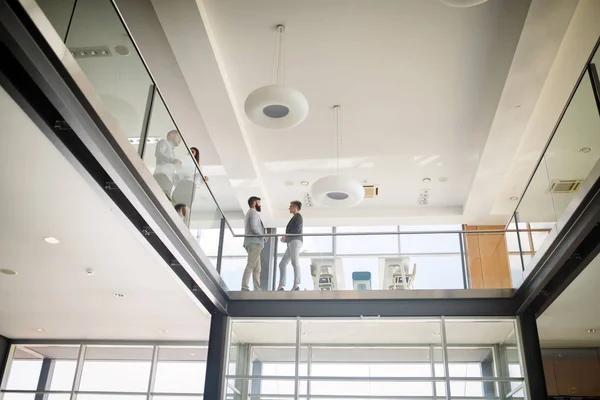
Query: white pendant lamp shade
[
  {"x": 276, "y": 107},
  {"x": 337, "y": 192},
  {"x": 462, "y": 3}
]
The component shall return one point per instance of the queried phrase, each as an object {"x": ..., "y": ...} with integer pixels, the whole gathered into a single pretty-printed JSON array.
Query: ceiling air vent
[
  {"x": 371, "y": 191},
  {"x": 565, "y": 186}
]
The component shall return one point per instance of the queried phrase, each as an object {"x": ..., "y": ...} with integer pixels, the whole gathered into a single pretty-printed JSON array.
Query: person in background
[
  {"x": 183, "y": 211},
  {"x": 166, "y": 161},
  {"x": 253, "y": 245},
  {"x": 294, "y": 245},
  {"x": 187, "y": 177}
]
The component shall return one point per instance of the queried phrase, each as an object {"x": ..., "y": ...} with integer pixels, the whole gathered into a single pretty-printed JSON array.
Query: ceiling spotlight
[
  {"x": 426, "y": 180},
  {"x": 40, "y": 330},
  {"x": 89, "y": 271},
  {"x": 51, "y": 240},
  {"x": 514, "y": 198},
  {"x": 163, "y": 331},
  {"x": 7, "y": 271},
  {"x": 277, "y": 106},
  {"x": 192, "y": 354},
  {"x": 304, "y": 183},
  {"x": 119, "y": 295},
  {"x": 592, "y": 330},
  {"x": 585, "y": 150}
]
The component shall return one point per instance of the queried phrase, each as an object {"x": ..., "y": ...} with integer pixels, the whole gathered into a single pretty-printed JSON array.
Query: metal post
[
  {"x": 516, "y": 218},
  {"x": 274, "y": 280},
  {"x": 45, "y": 378},
  {"x": 266, "y": 261},
  {"x": 432, "y": 365},
  {"x": 531, "y": 355},
  {"x": 308, "y": 370},
  {"x": 221, "y": 242},
  {"x": 255, "y": 388},
  {"x": 78, "y": 371},
  {"x": 217, "y": 357},
  {"x": 152, "y": 378},
  {"x": 498, "y": 371},
  {"x": 297, "y": 369},
  {"x": 463, "y": 260},
  {"x": 445, "y": 356},
  {"x": 595, "y": 81},
  {"x": 146, "y": 120}
]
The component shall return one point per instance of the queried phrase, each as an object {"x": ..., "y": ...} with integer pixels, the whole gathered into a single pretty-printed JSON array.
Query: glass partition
[
  {"x": 60, "y": 372},
  {"x": 566, "y": 166},
  {"x": 376, "y": 358}
]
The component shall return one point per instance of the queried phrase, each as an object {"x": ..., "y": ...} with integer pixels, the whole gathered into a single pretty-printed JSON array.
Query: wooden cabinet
[{"x": 573, "y": 376}]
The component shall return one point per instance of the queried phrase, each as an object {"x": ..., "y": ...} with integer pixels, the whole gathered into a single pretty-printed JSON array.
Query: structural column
[
  {"x": 217, "y": 358},
  {"x": 532, "y": 356}
]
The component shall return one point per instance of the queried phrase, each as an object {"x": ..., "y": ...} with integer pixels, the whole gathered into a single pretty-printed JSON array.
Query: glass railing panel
[
  {"x": 381, "y": 259},
  {"x": 556, "y": 185},
  {"x": 94, "y": 33},
  {"x": 174, "y": 165},
  {"x": 97, "y": 39}
]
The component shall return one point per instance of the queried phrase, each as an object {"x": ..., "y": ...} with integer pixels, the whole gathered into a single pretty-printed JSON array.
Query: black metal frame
[
  {"x": 5, "y": 344},
  {"x": 217, "y": 357}
]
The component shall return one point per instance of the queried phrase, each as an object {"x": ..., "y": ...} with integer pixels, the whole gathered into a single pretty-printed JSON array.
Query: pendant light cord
[
  {"x": 338, "y": 138},
  {"x": 280, "y": 54}
]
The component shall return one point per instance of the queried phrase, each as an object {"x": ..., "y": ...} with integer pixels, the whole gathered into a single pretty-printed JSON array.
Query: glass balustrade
[
  {"x": 564, "y": 173},
  {"x": 98, "y": 41}
]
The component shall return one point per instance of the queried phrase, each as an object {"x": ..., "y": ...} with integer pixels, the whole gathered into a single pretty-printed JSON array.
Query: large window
[
  {"x": 99, "y": 372},
  {"x": 358, "y": 358}
]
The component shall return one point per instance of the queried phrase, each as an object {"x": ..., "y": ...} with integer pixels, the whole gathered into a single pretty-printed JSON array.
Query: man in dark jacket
[{"x": 294, "y": 245}]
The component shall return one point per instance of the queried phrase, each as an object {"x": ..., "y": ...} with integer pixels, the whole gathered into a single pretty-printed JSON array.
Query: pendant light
[
  {"x": 277, "y": 106},
  {"x": 337, "y": 191}
]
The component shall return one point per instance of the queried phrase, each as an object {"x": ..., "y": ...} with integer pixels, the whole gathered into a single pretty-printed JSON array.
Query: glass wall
[
  {"x": 375, "y": 358},
  {"x": 100, "y": 372},
  {"x": 567, "y": 165}
]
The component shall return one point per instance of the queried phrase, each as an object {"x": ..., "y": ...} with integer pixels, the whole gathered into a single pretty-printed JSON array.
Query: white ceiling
[
  {"x": 425, "y": 90},
  {"x": 565, "y": 322},
  {"x": 45, "y": 196}
]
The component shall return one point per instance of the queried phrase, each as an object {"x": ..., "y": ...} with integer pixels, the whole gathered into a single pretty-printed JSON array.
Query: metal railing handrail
[{"x": 335, "y": 234}]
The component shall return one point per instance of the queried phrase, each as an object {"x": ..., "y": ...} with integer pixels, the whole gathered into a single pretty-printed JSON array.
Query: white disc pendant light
[
  {"x": 277, "y": 106},
  {"x": 337, "y": 191},
  {"x": 462, "y": 3}
]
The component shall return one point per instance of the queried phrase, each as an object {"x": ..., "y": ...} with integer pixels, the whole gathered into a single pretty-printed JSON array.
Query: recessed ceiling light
[
  {"x": 304, "y": 183},
  {"x": 514, "y": 198},
  {"x": 89, "y": 271},
  {"x": 119, "y": 295},
  {"x": 426, "y": 180},
  {"x": 192, "y": 354},
  {"x": 592, "y": 330},
  {"x": 436, "y": 334},
  {"x": 51, "y": 240},
  {"x": 41, "y": 330},
  {"x": 163, "y": 331},
  {"x": 585, "y": 150},
  {"x": 7, "y": 271}
]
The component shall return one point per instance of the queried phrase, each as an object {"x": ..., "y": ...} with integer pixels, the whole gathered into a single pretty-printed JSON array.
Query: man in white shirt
[{"x": 166, "y": 161}]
